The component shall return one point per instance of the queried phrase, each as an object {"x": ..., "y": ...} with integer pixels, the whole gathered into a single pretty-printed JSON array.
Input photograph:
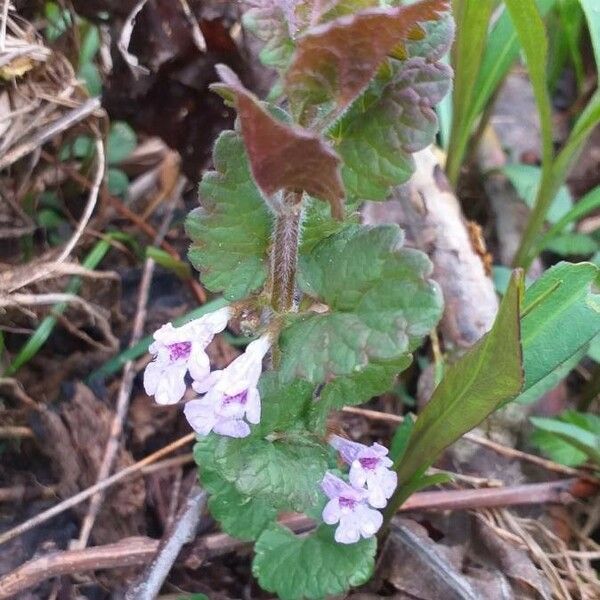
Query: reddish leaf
[
  {"x": 336, "y": 61},
  {"x": 284, "y": 157}
]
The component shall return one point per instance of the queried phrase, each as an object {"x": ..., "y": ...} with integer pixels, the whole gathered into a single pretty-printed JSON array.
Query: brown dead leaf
[
  {"x": 74, "y": 437},
  {"x": 284, "y": 157},
  {"x": 514, "y": 562},
  {"x": 325, "y": 67}
]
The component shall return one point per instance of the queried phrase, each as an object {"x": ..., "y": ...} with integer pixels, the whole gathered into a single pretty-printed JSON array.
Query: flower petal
[
  {"x": 198, "y": 362},
  {"x": 171, "y": 385},
  {"x": 370, "y": 520},
  {"x": 253, "y": 406},
  {"x": 331, "y": 512},
  {"x": 348, "y": 531},
  {"x": 235, "y": 428}
]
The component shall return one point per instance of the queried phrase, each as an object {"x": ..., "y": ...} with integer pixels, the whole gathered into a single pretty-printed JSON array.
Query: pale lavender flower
[
  {"x": 178, "y": 350},
  {"x": 231, "y": 399},
  {"x": 348, "y": 506},
  {"x": 369, "y": 466}
]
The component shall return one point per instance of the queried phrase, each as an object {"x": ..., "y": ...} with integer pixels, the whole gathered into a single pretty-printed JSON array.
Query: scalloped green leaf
[
  {"x": 284, "y": 405},
  {"x": 312, "y": 566},
  {"x": 379, "y": 298},
  {"x": 379, "y": 135},
  {"x": 285, "y": 472},
  {"x": 243, "y": 517},
  {"x": 230, "y": 232},
  {"x": 356, "y": 388}
]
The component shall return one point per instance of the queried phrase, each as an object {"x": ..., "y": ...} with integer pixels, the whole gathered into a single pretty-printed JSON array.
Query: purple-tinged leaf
[
  {"x": 284, "y": 157},
  {"x": 336, "y": 61}
]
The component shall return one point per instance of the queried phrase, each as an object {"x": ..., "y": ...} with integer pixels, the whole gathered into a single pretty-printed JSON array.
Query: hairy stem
[{"x": 284, "y": 257}]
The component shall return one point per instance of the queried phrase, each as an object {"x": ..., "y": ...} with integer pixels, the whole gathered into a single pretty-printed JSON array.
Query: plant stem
[{"x": 284, "y": 256}]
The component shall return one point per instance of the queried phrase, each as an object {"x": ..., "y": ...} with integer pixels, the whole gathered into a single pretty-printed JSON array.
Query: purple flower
[
  {"x": 348, "y": 506},
  {"x": 369, "y": 466},
  {"x": 178, "y": 350},
  {"x": 231, "y": 399}
]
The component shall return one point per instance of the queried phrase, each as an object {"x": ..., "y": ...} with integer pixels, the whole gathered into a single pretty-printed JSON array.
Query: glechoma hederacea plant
[{"x": 342, "y": 306}]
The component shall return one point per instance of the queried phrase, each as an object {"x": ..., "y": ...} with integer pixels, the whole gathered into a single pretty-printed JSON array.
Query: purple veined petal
[
  {"x": 253, "y": 407},
  {"x": 348, "y": 531},
  {"x": 171, "y": 384},
  {"x": 369, "y": 520},
  {"x": 198, "y": 363},
  {"x": 348, "y": 449},
  {"x": 332, "y": 486},
  {"x": 235, "y": 428},
  {"x": 331, "y": 512},
  {"x": 357, "y": 475},
  {"x": 232, "y": 407}
]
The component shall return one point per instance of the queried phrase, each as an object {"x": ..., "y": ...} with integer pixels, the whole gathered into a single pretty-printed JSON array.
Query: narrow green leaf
[
  {"x": 562, "y": 315},
  {"x": 483, "y": 379},
  {"x": 472, "y": 19},
  {"x": 589, "y": 203},
  {"x": 401, "y": 438},
  {"x": 591, "y": 9},
  {"x": 572, "y": 244},
  {"x": 310, "y": 567},
  {"x": 528, "y": 23},
  {"x": 587, "y": 442},
  {"x": 46, "y": 327},
  {"x": 165, "y": 260},
  {"x": 557, "y": 448},
  {"x": 526, "y": 180}
]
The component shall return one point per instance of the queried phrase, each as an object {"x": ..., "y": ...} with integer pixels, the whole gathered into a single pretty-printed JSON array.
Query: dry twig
[{"x": 124, "y": 395}]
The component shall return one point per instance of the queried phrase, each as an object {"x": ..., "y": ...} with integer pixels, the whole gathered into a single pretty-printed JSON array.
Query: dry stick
[
  {"x": 101, "y": 485},
  {"x": 68, "y": 120},
  {"x": 138, "y": 551},
  {"x": 3, "y": 25},
  {"x": 129, "y": 373},
  {"x": 128, "y": 214},
  {"x": 181, "y": 532},
  {"x": 87, "y": 214},
  {"x": 15, "y": 432},
  {"x": 495, "y": 446}
]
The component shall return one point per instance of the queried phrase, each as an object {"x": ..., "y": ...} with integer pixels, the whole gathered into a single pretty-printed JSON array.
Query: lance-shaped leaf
[
  {"x": 561, "y": 316},
  {"x": 380, "y": 304},
  {"x": 311, "y": 567},
  {"x": 378, "y": 136},
  {"x": 284, "y": 157},
  {"x": 488, "y": 375},
  {"x": 335, "y": 61}
]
